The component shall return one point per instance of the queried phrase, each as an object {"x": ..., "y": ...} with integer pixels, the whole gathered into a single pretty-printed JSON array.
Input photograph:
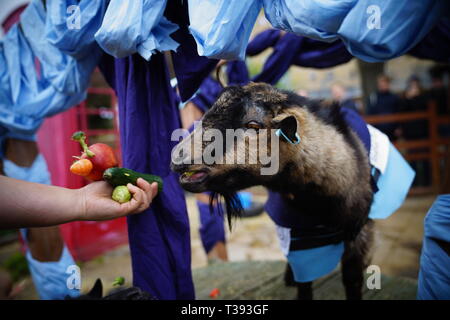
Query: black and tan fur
[{"x": 327, "y": 174}]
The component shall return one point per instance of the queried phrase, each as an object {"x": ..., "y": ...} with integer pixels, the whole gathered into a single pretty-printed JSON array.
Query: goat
[{"x": 325, "y": 176}]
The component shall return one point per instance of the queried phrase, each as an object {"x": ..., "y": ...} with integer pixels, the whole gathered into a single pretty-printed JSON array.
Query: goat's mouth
[{"x": 194, "y": 180}]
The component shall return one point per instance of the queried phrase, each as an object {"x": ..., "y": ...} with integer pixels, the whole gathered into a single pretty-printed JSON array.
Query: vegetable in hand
[
  {"x": 82, "y": 167},
  {"x": 123, "y": 176},
  {"x": 101, "y": 155},
  {"x": 121, "y": 194}
]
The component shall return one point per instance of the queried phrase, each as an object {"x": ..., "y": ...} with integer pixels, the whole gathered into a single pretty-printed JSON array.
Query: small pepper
[{"x": 81, "y": 167}]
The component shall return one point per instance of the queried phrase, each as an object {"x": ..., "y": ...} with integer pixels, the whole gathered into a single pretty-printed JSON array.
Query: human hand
[{"x": 96, "y": 202}]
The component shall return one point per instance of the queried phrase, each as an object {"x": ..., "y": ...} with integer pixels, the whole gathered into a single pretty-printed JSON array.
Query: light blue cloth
[
  {"x": 310, "y": 264},
  {"x": 401, "y": 24},
  {"x": 31, "y": 91},
  {"x": 51, "y": 278},
  {"x": 136, "y": 26},
  {"x": 37, "y": 172},
  {"x": 393, "y": 186},
  {"x": 222, "y": 28},
  {"x": 66, "y": 74},
  {"x": 319, "y": 20},
  {"x": 246, "y": 199},
  {"x": 77, "y": 39},
  {"x": 372, "y": 30},
  {"x": 434, "y": 275}
]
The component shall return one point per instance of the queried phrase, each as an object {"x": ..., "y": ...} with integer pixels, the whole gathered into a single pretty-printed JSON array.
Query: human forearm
[
  {"x": 25, "y": 204},
  {"x": 34, "y": 205}
]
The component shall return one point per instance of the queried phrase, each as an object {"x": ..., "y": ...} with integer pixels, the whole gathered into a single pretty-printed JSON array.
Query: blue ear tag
[{"x": 280, "y": 132}]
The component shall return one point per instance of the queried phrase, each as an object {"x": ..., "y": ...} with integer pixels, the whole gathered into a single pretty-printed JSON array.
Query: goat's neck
[{"x": 322, "y": 159}]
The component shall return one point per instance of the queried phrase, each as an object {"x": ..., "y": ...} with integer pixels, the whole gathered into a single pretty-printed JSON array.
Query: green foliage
[{"x": 17, "y": 266}]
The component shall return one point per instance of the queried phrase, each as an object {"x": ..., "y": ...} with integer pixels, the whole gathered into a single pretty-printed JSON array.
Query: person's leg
[
  {"x": 46, "y": 254},
  {"x": 212, "y": 229},
  {"x": 5, "y": 285},
  {"x": 45, "y": 244}
]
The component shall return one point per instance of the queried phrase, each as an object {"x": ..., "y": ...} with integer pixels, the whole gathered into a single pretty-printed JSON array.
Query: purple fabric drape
[
  {"x": 159, "y": 237},
  {"x": 290, "y": 49},
  {"x": 436, "y": 45},
  {"x": 210, "y": 89}
]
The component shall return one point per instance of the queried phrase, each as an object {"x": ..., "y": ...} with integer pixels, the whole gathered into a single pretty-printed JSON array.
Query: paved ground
[
  {"x": 396, "y": 251},
  {"x": 236, "y": 281}
]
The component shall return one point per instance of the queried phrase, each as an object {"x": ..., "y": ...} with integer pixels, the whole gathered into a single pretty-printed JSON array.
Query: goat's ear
[
  {"x": 287, "y": 124},
  {"x": 97, "y": 290}
]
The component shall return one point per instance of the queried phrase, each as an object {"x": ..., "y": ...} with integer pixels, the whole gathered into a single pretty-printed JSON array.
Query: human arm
[{"x": 27, "y": 204}]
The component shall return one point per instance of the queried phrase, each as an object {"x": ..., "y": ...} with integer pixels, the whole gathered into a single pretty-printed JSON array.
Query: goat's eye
[{"x": 253, "y": 125}]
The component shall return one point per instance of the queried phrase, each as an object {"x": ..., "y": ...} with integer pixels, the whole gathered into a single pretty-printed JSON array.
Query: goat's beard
[{"x": 233, "y": 205}]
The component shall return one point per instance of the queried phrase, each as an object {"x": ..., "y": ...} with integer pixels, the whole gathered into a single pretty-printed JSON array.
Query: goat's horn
[{"x": 219, "y": 66}]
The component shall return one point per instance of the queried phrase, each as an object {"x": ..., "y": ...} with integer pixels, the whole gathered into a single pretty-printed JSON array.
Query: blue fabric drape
[
  {"x": 290, "y": 49},
  {"x": 434, "y": 276},
  {"x": 159, "y": 237},
  {"x": 372, "y": 30},
  {"x": 222, "y": 28},
  {"x": 45, "y": 67},
  {"x": 136, "y": 26}
]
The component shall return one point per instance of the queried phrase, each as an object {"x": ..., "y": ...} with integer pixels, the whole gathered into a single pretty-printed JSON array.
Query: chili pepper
[{"x": 82, "y": 167}]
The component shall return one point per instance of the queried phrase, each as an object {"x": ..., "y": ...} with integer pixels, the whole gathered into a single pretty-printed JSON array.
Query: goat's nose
[{"x": 178, "y": 167}]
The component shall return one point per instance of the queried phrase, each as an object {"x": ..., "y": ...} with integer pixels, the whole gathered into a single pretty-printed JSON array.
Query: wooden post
[{"x": 434, "y": 145}]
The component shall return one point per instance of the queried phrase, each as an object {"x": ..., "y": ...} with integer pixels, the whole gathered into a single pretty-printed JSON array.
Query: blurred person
[
  {"x": 339, "y": 95},
  {"x": 414, "y": 100},
  {"x": 383, "y": 101},
  {"x": 439, "y": 93},
  {"x": 6, "y": 285}
]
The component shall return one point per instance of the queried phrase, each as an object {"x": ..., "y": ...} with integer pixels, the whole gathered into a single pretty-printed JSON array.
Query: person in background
[
  {"x": 439, "y": 93},
  {"x": 339, "y": 95},
  {"x": 383, "y": 101},
  {"x": 414, "y": 100}
]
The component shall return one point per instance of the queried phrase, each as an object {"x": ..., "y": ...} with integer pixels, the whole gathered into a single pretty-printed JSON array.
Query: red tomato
[{"x": 103, "y": 159}]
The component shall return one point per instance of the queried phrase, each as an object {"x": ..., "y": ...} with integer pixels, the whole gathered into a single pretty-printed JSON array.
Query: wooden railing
[{"x": 437, "y": 148}]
